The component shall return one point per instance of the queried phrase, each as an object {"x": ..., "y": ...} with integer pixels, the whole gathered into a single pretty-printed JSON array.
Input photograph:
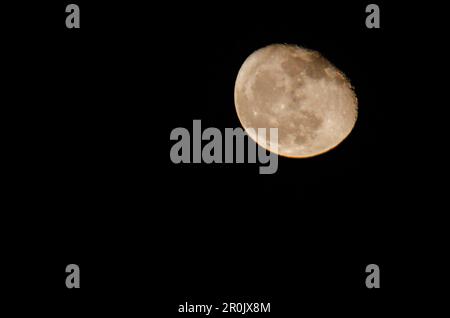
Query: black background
[{"x": 90, "y": 113}]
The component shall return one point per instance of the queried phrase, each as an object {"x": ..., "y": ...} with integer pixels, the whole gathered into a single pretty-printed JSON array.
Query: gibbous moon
[{"x": 299, "y": 92}]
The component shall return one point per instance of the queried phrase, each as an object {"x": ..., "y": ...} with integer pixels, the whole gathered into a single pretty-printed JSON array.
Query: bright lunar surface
[{"x": 299, "y": 92}]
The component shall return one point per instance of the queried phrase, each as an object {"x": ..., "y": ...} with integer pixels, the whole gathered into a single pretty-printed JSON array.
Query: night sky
[{"x": 92, "y": 111}]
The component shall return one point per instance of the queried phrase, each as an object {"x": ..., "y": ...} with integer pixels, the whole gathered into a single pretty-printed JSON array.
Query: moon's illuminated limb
[{"x": 299, "y": 92}]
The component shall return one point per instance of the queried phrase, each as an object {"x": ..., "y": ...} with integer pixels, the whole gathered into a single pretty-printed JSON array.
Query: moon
[{"x": 301, "y": 93}]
